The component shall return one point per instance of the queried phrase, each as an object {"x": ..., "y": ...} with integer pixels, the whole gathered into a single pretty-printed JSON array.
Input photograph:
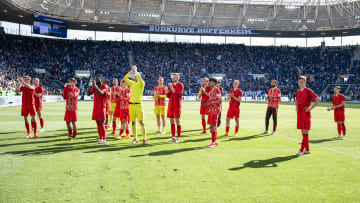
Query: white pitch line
[{"x": 330, "y": 149}]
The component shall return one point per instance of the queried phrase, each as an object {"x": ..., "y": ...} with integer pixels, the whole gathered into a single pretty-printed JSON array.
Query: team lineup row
[{"x": 125, "y": 103}]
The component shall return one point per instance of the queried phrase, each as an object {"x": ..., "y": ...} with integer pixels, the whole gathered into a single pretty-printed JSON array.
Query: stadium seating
[{"x": 60, "y": 58}]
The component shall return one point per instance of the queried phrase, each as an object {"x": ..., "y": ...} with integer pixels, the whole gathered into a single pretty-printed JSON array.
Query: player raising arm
[
  {"x": 339, "y": 111},
  {"x": 214, "y": 104},
  {"x": 304, "y": 96},
  {"x": 234, "y": 108},
  {"x": 175, "y": 93},
  {"x": 99, "y": 108},
  {"x": 71, "y": 94},
  {"x": 39, "y": 91},
  {"x": 28, "y": 103},
  {"x": 136, "y": 109}
]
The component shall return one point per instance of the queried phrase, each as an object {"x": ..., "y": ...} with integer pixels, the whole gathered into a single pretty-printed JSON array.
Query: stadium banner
[
  {"x": 82, "y": 73},
  {"x": 39, "y": 70},
  {"x": 197, "y": 30}
]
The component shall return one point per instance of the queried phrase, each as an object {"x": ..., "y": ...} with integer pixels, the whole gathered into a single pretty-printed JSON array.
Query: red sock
[
  {"x": 227, "y": 129},
  {"x": 302, "y": 143},
  {"x": 114, "y": 125},
  {"x": 236, "y": 129},
  {"x": 203, "y": 124},
  {"x": 121, "y": 132},
  {"x": 99, "y": 130},
  {"x": 179, "y": 131},
  {"x": 127, "y": 132},
  {"x": 74, "y": 133},
  {"x": 344, "y": 129},
  {"x": 42, "y": 122},
  {"x": 173, "y": 130},
  {"x": 275, "y": 126},
  {"x": 102, "y": 125},
  {"x": 27, "y": 126},
  {"x": 339, "y": 129},
  {"x": 307, "y": 142},
  {"x": 34, "y": 126},
  {"x": 213, "y": 136},
  {"x": 70, "y": 132}
]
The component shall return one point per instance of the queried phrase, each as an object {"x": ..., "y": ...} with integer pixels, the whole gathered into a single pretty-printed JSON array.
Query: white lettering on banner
[{"x": 191, "y": 30}]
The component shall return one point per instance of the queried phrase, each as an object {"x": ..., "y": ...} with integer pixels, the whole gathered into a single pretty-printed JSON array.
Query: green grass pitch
[{"x": 247, "y": 168}]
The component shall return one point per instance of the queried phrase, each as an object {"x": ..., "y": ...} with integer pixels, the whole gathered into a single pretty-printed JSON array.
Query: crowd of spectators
[{"x": 253, "y": 66}]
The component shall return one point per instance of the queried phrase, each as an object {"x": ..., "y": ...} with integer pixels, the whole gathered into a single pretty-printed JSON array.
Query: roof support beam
[
  {"x": 329, "y": 12},
  {"x": 317, "y": 7},
  {"x": 242, "y": 12},
  {"x": 193, "y": 13},
  {"x": 212, "y": 12},
  {"x": 162, "y": 10},
  {"x": 276, "y": 9},
  {"x": 129, "y": 10}
]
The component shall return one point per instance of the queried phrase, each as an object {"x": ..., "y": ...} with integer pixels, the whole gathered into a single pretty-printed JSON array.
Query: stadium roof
[{"x": 323, "y": 16}]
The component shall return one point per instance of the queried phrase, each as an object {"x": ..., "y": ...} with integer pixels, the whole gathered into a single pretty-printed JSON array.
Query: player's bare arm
[
  {"x": 317, "y": 101},
  {"x": 337, "y": 106},
  {"x": 25, "y": 83}
]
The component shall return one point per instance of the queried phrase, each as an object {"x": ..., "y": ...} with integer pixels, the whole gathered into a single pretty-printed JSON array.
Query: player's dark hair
[{"x": 213, "y": 79}]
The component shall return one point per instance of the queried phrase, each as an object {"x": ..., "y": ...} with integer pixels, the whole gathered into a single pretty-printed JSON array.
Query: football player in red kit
[
  {"x": 304, "y": 96},
  {"x": 39, "y": 91},
  {"x": 122, "y": 109},
  {"x": 159, "y": 95},
  {"x": 108, "y": 103},
  {"x": 114, "y": 88},
  {"x": 204, "y": 95},
  {"x": 28, "y": 104},
  {"x": 234, "y": 108},
  {"x": 221, "y": 90},
  {"x": 99, "y": 110},
  {"x": 274, "y": 97},
  {"x": 175, "y": 93},
  {"x": 339, "y": 111},
  {"x": 214, "y": 106},
  {"x": 70, "y": 94}
]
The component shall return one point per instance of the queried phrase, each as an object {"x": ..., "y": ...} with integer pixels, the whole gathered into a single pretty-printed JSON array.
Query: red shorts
[
  {"x": 304, "y": 123},
  {"x": 98, "y": 116},
  {"x": 174, "y": 113},
  {"x": 70, "y": 115},
  {"x": 204, "y": 109},
  {"x": 339, "y": 116},
  {"x": 26, "y": 110},
  {"x": 212, "y": 119},
  {"x": 123, "y": 114},
  {"x": 233, "y": 113},
  {"x": 38, "y": 108}
]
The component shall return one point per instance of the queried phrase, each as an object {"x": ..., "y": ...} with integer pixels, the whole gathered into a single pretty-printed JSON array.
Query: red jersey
[
  {"x": 175, "y": 98},
  {"x": 233, "y": 103},
  {"x": 204, "y": 97},
  {"x": 70, "y": 94},
  {"x": 28, "y": 99},
  {"x": 38, "y": 100},
  {"x": 303, "y": 99},
  {"x": 274, "y": 97},
  {"x": 99, "y": 100},
  {"x": 214, "y": 101},
  {"x": 112, "y": 93},
  {"x": 125, "y": 98},
  {"x": 337, "y": 100},
  {"x": 160, "y": 101},
  {"x": 108, "y": 95}
]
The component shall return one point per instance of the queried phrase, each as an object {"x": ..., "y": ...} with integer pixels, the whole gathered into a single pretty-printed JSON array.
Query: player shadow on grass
[
  {"x": 322, "y": 140},
  {"x": 169, "y": 152},
  {"x": 266, "y": 163},
  {"x": 245, "y": 138}
]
